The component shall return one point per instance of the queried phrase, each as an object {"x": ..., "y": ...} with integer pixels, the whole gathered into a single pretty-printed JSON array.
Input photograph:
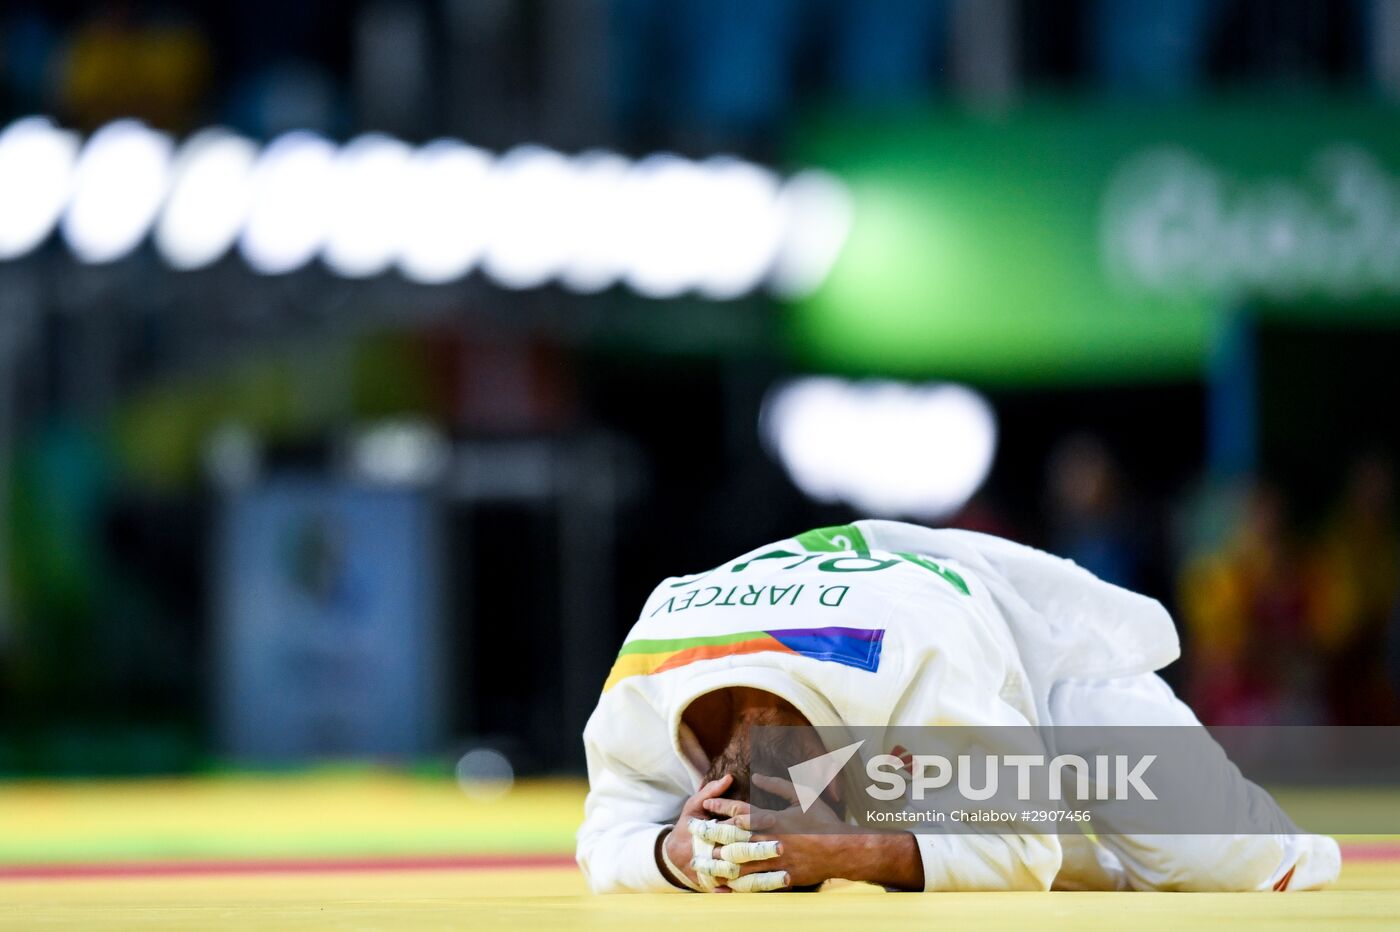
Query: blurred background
[{"x": 364, "y": 365}]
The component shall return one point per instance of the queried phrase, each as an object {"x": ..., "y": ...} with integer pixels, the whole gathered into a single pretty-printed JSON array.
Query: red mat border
[
  {"x": 1364, "y": 852},
  {"x": 1371, "y": 851}
]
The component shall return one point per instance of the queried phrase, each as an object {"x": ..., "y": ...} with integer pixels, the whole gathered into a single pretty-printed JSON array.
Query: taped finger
[
  {"x": 700, "y": 849},
  {"x": 716, "y": 832},
  {"x": 724, "y": 870},
  {"x": 745, "y": 851},
  {"x": 759, "y": 883}
]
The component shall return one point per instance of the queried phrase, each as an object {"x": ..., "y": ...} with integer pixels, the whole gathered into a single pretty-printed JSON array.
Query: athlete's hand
[
  {"x": 678, "y": 844},
  {"x": 819, "y": 817},
  {"x": 808, "y": 851},
  {"x": 817, "y": 845}
]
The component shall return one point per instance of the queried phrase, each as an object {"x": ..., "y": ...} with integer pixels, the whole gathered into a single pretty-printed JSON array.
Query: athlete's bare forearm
[{"x": 890, "y": 860}]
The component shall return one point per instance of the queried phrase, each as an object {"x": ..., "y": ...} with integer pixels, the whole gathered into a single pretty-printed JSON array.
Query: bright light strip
[
  {"x": 746, "y": 229},
  {"x": 209, "y": 199},
  {"x": 36, "y": 176},
  {"x": 367, "y": 207},
  {"x": 885, "y": 448},
  {"x": 669, "y": 200},
  {"x": 596, "y": 223},
  {"x": 118, "y": 187},
  {"x": 291, "y": 203},
  {"x": 664, "y": 225},
  {"x": 444, "y": 228},
  {"x": 526, "y": 244},
  {"x": 817, "y": 212}
]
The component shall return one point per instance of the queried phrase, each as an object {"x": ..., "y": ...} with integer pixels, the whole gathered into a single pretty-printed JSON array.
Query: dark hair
[{"x": 786, "y": 746}]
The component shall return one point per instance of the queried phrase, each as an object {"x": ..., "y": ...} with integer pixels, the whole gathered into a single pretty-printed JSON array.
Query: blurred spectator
[
  {"x": 985, "y": 514},
  {"x": 392, "y": 76},
  {"x": 1154, "y": 48},
  {"x": 733, "y": 71},
  {"x": 1359, "y": 562},
  {"x": 287, "y": 96},
  {"x": 1247, "y": 609},
  {"x": 888, "y": 51},
  {"x": 61, "y": 483},
  {"x": 121, "y": 65},
  {"x": 27, "y": 40},
  {"x": 736, "y": 70},
  {"x": 1090, "y": 520}
]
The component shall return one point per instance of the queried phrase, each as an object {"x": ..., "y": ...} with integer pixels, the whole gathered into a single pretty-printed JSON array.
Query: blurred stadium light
[
  {"x": 664, "y": 225},
  {"x": 287, "y": 223},
  {"x": 599, "y": 222},
  {"x": 36, "y": 174},
  {"x": 210, "y": 193},
  {"x": 366, "y": 211},
  {"x": 819, "y": 212},
  {"x": 119, "y": 183},
  {"x": 740, "y": 259},
  {"x": 525, "y": 246},
  {"x": 888, "y": 449},
  {"x": 444, "y": 228},
  {"x": 485, "y": 774}
]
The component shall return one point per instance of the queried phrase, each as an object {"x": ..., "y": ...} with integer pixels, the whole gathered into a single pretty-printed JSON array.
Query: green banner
[{"x": 1096, "y": 243}]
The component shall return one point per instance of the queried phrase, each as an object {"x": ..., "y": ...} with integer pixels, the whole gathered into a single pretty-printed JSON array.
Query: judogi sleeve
[
  {"x": 627, "y": 808},
  {"x": 989, "y": 862},
  {"x": 970, "y": 859}
]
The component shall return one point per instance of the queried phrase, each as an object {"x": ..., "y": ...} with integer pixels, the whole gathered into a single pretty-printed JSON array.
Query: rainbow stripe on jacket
[{"x": 852, "y": 647}]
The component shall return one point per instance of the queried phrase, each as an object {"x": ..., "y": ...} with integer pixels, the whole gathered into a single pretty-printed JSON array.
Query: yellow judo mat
[{"x": 376, "y": 850}]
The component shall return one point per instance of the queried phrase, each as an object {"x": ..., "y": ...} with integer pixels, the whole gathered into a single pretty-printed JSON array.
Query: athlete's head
[{"x": 724, "y": 721}]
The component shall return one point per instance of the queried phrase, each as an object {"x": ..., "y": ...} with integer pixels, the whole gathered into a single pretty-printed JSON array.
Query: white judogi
[{"x": 974, "y": 630}]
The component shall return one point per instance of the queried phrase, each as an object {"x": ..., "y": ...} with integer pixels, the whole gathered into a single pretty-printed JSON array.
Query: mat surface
[{"x": 383, "y": 851}]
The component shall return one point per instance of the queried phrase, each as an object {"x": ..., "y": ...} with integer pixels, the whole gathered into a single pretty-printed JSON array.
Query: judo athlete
[{"x": 885, "y": 624}]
